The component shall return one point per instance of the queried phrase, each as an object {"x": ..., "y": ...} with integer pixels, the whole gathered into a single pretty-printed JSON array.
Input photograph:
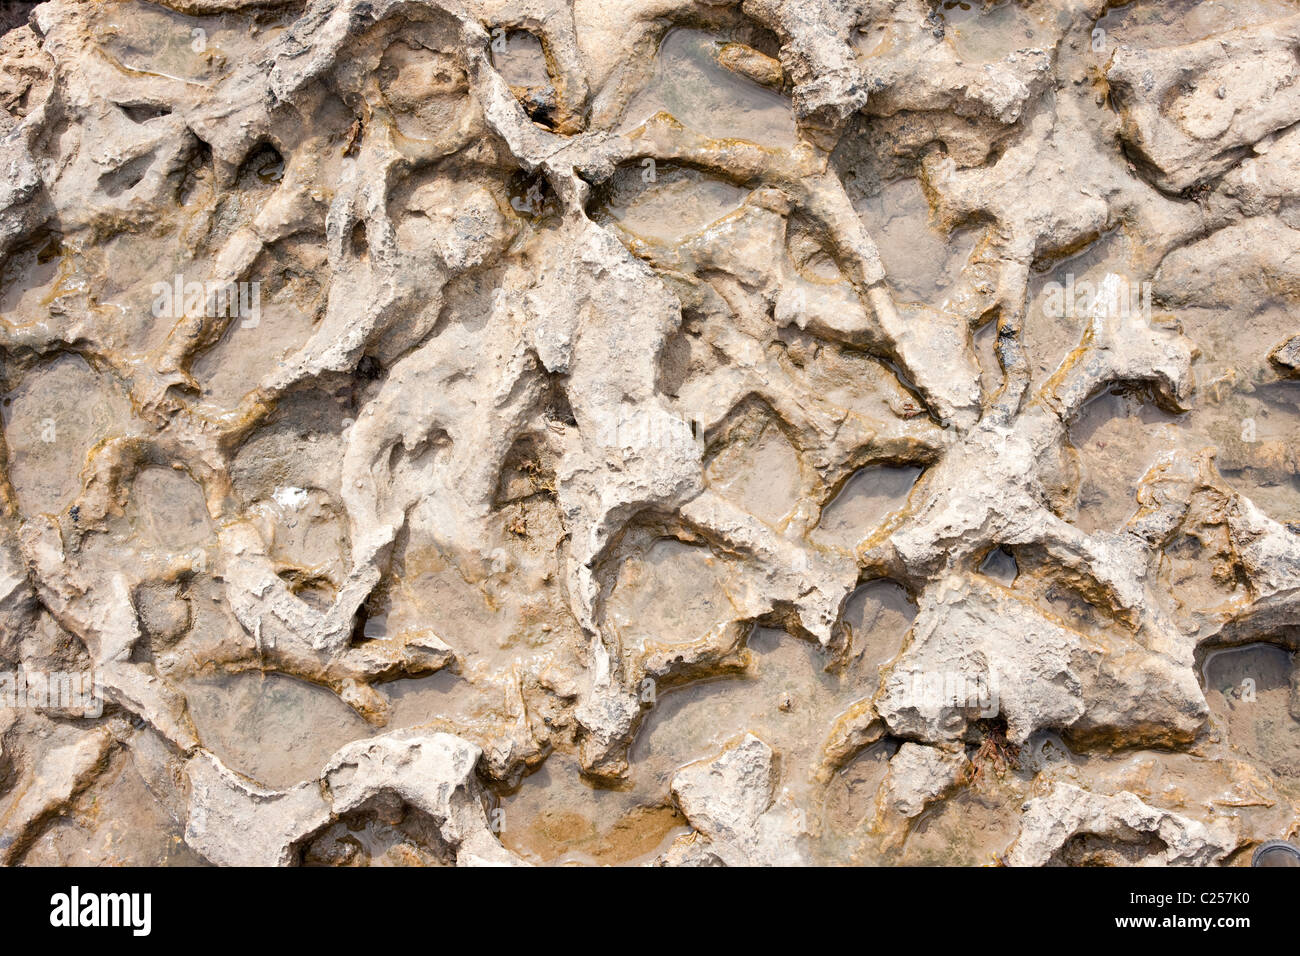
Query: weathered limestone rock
[
  {"x": 732, "y": 801},
  {"x": 62, "y": 772},
  {"x": 275, "y": 821},
  {"x": 431, "y": 772},
  {"x": 1287, "y": 357},
  {"x": 775, "y": 412},
  {"x": 1154, "y": 837},
  {"x": 1188, "y": 110},
  {"x": 434, "y": 773},
  {"x": 917, "y": 777}
]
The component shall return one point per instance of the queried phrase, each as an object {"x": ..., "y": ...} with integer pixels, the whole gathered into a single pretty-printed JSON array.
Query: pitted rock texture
[{"x": 671, "y": 432}]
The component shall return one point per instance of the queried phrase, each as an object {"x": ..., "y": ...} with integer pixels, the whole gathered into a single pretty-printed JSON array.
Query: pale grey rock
[
  {"x": 1287, "y": 357},
  {"x": 235, "y": 822},
  {"x": 494, "y": 392},
  {"x": 1050, "y": 822},
  {"x": 432, "y": 772},
  {"x": 1173, "y": 115},
  {"x": 17, "y": 601},
  {"x": 918, "y": 776},
  {"x": 731, "y": 799},
  {"x": 59, "y": 774}
]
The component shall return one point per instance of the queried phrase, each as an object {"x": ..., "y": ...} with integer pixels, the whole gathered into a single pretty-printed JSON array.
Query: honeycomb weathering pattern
[{"x": 846, "y": 432}]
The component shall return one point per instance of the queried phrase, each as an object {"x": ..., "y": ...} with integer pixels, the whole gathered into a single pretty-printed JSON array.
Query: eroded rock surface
[{"x": 476, "y": 432}]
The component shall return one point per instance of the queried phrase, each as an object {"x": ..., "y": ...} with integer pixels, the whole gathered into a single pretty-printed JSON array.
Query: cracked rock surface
[{"x": 649, "y": 432}]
